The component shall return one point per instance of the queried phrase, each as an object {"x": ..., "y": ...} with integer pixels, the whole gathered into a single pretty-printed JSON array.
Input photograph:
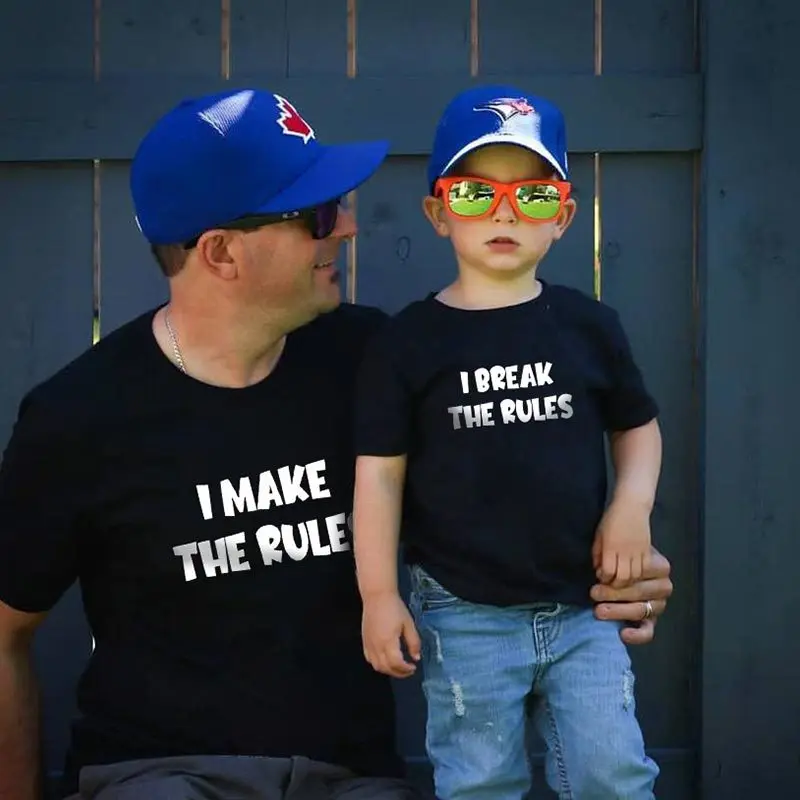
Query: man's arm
[{"x": 20, "y": 766}]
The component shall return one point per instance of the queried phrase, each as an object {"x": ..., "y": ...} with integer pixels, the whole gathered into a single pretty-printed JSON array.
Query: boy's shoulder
[
  {"x": 578, "y": 307},
  {"x": 416, "y": 315}
]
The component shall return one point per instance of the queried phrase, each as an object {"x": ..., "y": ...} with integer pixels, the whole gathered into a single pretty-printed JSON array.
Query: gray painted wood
[
  {"x": 63, "y": 34},
  {"x": 571, "y": 261},
  {"x": 317, "y": 47},
  {"x": 536, "y": 38},
  {"x": 131, "y": 281},
  {"x": 399, "y": 256},
  {"x": 45, "y": 322},
  {"x": 46, "y": 280},
  {"x": 153, "y": 37},
  {"x": 647, "y": 276},
  {"x": 415, "y": 37},
  {"x": 259, "y": 41},
  {"x": 656, "y": 36},
  {"x": 278, "y": 38},
  {"x": 80, "y": 119},
  {"x": 144, "y": 38},
  {"x": 751, "y": 510}
]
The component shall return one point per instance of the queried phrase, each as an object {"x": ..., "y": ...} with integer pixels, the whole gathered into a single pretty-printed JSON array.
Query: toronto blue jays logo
[{"x": 507, "y": 107}]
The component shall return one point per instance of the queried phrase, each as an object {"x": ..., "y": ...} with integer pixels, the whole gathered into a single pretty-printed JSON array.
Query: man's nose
[{"x": 346, "y": 227}]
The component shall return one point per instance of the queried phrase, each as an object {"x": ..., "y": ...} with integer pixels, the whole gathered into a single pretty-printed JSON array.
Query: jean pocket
[{"x": 427, "y": 593}]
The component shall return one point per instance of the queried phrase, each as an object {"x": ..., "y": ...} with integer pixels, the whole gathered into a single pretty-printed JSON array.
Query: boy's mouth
[{"x": 503, "y": 240}]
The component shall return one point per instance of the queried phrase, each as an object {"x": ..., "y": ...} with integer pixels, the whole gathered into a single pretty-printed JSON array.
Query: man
[{"x": 194, "y": 471}]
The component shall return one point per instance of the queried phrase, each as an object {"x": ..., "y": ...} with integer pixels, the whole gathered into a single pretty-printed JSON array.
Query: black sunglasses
[{"x": 320, "y": 221}]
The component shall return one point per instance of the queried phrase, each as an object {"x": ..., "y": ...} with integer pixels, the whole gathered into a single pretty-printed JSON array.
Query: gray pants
[{"x": 235, "y": 778}]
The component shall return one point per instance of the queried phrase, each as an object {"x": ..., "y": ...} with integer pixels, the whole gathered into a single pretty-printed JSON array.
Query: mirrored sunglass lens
[
  {"x": 470, "y": 198},
  {"x": 326, "y": 215},
  {"x": 539, "y": 201}
]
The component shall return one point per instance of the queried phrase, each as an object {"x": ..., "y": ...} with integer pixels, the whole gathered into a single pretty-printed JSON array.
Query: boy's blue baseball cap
[
  {"x": 498, "y": 115},
  {"x": 214, "y": 158}
]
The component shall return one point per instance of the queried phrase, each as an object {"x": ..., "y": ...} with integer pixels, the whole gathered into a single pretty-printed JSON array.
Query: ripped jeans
[{"x": 490, "y": 671}]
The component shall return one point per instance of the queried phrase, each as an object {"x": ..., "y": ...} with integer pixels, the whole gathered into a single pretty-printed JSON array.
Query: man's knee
[{"x": 379, "y": 789}]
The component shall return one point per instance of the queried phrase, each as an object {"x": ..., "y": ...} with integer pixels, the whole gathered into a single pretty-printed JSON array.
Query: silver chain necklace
[{"x": 175, "y": 349}]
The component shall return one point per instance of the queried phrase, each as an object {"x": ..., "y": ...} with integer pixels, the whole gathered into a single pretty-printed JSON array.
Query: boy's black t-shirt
[
  {"x": 502, "y": 414},
  {"x": 210, "y": 530}
]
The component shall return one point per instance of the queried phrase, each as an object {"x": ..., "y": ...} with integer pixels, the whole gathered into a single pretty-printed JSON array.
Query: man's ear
[
  {"x": 216, "y": 248},
  {"x": 565, "y": 217},
  {"x": 433, "y": 208}
]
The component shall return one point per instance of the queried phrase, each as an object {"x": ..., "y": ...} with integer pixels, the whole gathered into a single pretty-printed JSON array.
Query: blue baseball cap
[
  {"x": 498, "y": 115},
  {"x": 215, "y": 158}
]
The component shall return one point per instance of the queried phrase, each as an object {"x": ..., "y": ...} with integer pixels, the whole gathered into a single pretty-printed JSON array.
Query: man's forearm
[{"x": 20, "y": 776}]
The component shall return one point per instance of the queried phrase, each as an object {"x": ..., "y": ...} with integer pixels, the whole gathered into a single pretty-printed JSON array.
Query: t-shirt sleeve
[
  {"x": 38, "y": 512},
  {"x": 626, "y": 402},
  {"x": 383, "y": 400}
]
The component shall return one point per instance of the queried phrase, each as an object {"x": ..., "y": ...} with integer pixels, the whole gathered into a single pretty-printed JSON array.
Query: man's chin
[{"x": 331, "y": 301}]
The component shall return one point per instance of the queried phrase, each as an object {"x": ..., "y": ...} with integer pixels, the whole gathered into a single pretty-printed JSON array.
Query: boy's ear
[
  {"x": 565, "y": 217},
  {"x": 433, "y": 208}
]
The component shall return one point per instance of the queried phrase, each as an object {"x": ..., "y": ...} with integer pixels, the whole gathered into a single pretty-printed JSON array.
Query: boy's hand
[
  {"x": 621, "y": 550},
  {"x": 386, "y": 621}
]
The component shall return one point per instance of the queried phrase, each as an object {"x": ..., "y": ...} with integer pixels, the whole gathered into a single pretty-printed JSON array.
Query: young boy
[{"x": 481, "y": 419}]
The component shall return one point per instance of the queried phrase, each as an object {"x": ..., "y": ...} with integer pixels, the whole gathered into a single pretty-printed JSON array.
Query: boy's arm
[
  {"x": 636, "y": 455},
  {"x": 376, "y": 532},
  {"x": 376, "y": 523},
  {"x": 622, "y": 547},
  {"x": 382, "y": 432}
]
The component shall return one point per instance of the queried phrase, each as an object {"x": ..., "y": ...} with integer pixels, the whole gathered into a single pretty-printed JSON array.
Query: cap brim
[
  {"x": 533, "y": 145},
  {"x": 338, "y": 170}
]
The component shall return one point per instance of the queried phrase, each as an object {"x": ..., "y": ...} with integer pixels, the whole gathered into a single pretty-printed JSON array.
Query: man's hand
[
  {"x": 630, "y": 603},
  {"x": 386, "y": 620}
]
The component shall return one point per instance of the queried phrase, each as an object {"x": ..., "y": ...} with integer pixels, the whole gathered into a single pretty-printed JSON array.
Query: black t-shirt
[
  {"x": 209, "y": 528},
  {"x": 502, "y": 414}
]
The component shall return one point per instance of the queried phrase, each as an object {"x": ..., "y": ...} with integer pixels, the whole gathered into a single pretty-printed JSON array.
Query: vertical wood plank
[
  {"x": 131, "y": 279},
  {"x": 519, "y": 36},
  {"x": 144, "y": 37},
  {"x": 317, "y": 40},
  {"x": 533, "y": 37},
  {"x": 570, "y": 261},
  {"x": 40, "y": 331},
  {"x": 46, "y": 39},
  {"x": 647, "y": 256},
  {"x": 400, "y": 258},
  {"x": 45, "y": 322},
  {"x": 751, "y": 515},
  {"x": 413, "y": 37},
  {"x": 259, "y": 37},
  {"x": 653, "y": 36},
  {"x": 155, "y": 37}
]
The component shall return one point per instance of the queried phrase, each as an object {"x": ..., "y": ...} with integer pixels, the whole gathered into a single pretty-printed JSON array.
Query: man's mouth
[{"x": 324, "y": 264}]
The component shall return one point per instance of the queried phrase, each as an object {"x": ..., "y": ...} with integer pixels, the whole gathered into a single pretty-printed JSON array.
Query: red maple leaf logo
[{"x": 291, "y": 122}]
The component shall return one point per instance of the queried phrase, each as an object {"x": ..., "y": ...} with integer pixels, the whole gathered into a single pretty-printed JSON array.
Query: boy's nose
[{"x": 505, "y": 211}]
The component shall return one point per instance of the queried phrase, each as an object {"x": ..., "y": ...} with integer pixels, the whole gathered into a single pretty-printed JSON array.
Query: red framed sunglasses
[
  {"x": 477, "y": 198},
  {"x": 320, "y": 221}
]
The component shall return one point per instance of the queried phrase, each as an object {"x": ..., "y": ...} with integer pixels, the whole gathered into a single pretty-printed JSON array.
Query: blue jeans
[{"x": 488, "y": 671}]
